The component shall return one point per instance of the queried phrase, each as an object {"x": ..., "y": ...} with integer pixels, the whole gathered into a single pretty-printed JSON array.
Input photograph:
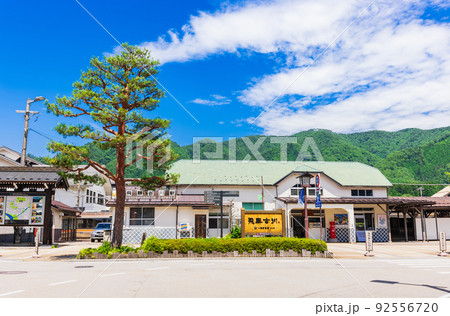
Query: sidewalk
[
  {"x": 63, "y": 251},
  {"x": 412, "y": 249},
  {"x": 69, "y": 250}
]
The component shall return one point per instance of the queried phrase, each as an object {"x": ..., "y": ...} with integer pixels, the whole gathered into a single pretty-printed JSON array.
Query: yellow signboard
[{"x": 262, "y": 222}]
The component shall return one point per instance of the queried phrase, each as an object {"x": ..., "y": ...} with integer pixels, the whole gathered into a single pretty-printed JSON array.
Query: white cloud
[
  {"x": 215, "y": 100},
  {"x": 389, "y": 70}
]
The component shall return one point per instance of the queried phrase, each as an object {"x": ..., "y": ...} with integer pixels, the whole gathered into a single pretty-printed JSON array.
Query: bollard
[
  {"x": 254, "y": 253},
  {"x": 442, "y": 244},
  {"x": 36, "y": 244},
  {"x": 204, "y": 253},
  {"x": 190, "y": 254},
  {"x": 369, "y": 244},
  {"x": 268, "y": 252}
]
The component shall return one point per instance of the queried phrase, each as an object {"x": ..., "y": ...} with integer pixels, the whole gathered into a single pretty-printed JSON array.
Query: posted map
[{"x": 18, "y": 207}]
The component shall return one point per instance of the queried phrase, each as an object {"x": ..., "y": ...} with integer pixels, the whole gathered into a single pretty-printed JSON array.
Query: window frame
[
  {"x": 141, "y": 220},
  {"x": 361, "y": 192},
  {"x": 253, "y": 206}
]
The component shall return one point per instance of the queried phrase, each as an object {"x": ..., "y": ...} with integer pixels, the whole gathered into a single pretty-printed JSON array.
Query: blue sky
[{"x": 342, "y": 65}]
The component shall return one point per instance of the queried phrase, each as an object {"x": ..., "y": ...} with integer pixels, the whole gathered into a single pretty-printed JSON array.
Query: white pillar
[
  {"x": 288, "y": 220},
  {"x": 351, "y": 224}
]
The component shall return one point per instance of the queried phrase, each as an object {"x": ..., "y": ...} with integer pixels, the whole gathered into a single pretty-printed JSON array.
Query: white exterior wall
[
  {"x": 57, "y": 219},
  {"x": 430, "y": 226},
  {"x": 247, "y": 194},
  {"x": 329, "y": 186},
  {"x": 69, "y": 197}
]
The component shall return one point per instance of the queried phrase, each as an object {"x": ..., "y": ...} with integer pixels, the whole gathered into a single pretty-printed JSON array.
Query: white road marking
[
  {"x": 112, "y": 274},
  {"x": 160, "y": 268},
  {"x": 444, "y": 272},
  {"x": 445, "y": 296},
  {"x": 63, "y": 282},
  {"x": 11, "y": 293}
]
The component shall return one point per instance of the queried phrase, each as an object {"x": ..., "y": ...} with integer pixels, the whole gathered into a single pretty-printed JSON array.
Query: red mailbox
[{"x": 332, "y": 230}]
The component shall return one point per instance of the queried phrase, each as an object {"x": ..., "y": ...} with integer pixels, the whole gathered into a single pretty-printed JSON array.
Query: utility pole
[
  {"x": 25, "y": 130},
  {"x": 420, "y": 189},
  {"x": 221, "y": 214}
]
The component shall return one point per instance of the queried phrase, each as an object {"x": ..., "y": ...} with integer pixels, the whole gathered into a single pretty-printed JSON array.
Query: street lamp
[
  {"x": 25, "y": 131},
  {"x": 305, "y": 182}
]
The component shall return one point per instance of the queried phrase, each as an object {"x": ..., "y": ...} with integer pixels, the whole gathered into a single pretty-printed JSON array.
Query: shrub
[
  {"x": 104, "y": 248},
  {"x": 248, "y": 244},
  {"x": 234, "y": 244},
  {"x": 236, "y": 232}
]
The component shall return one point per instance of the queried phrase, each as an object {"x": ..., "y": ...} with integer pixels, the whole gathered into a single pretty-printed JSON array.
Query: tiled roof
[
  {"x": 65, "y": 208},
  {"x": 177, "y": 200},
  {"x": 443, "y": 193},
  {"x": 224, "y": 172},
  {"x": 28, "y": 174}
]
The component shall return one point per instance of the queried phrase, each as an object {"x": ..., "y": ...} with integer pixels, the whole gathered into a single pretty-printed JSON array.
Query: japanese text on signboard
[{"x": 264, "y": 223}]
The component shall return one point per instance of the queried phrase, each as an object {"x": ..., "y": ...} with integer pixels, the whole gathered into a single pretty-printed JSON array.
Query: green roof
[{"x": 224, "y": 172}]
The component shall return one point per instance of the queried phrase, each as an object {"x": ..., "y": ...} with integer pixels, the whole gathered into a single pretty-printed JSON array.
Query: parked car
[{"x": 99, "y": 231}]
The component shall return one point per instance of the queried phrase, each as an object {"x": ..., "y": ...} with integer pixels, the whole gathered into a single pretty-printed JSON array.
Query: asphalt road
[{"x": 381, "y": 276}]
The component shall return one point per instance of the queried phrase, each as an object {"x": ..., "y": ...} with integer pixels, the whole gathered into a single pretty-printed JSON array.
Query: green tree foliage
[{"x": 112, "y": 94}]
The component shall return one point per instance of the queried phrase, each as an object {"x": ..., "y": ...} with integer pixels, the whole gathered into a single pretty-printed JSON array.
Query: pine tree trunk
[
  {"x": 118, "y": 214},
  {"x": 120, "y": 195}
]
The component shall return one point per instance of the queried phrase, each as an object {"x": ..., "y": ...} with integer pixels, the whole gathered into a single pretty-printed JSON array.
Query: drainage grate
[
  {"x": 13, "y": 272},
  {"x": 83, "y": 267}
]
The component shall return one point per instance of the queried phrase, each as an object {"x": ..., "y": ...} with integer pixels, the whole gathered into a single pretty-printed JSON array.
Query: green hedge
[
  {"x": 199, "y": 245},
  {"x": 227, "y": 245}
]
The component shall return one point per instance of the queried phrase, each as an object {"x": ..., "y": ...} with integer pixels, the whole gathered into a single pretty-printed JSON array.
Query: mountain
[
  {"x": 405, "y": 156},
  {"x": 381, "y": 143}
]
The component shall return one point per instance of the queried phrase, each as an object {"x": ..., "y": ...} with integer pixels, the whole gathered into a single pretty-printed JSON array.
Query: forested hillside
[{"x": 406, "y": 156}]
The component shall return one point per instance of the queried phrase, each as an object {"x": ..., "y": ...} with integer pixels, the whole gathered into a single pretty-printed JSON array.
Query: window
[
  {"x": 150, "y": 193},
  {"x": 142, "y": 216},
  {"x": 214, "y": 220},
  {"x": 100, "y": 199},
  {"x": 161, "y": 192},
  {"x": 295, "y": 190},
  {"x": 250, "y": 206},
  {"x": 128, "y": 192},
  {"x": 90, "y": 196},
  {"x": 364, "y": 219},
  {"x": 172, "y": 193},
  {"x": 362, "y": 192},
  {"x": 139, "y": 193}
]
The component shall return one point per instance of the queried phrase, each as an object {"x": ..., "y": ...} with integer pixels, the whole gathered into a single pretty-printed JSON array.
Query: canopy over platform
[{"x": 391, "y": 201}]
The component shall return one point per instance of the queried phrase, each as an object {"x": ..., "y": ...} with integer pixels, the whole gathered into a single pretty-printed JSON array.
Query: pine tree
[{"x": 113, "y": 94}]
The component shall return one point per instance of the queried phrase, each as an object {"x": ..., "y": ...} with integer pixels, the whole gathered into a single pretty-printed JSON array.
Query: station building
[{"x": 354, "y": 199}]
